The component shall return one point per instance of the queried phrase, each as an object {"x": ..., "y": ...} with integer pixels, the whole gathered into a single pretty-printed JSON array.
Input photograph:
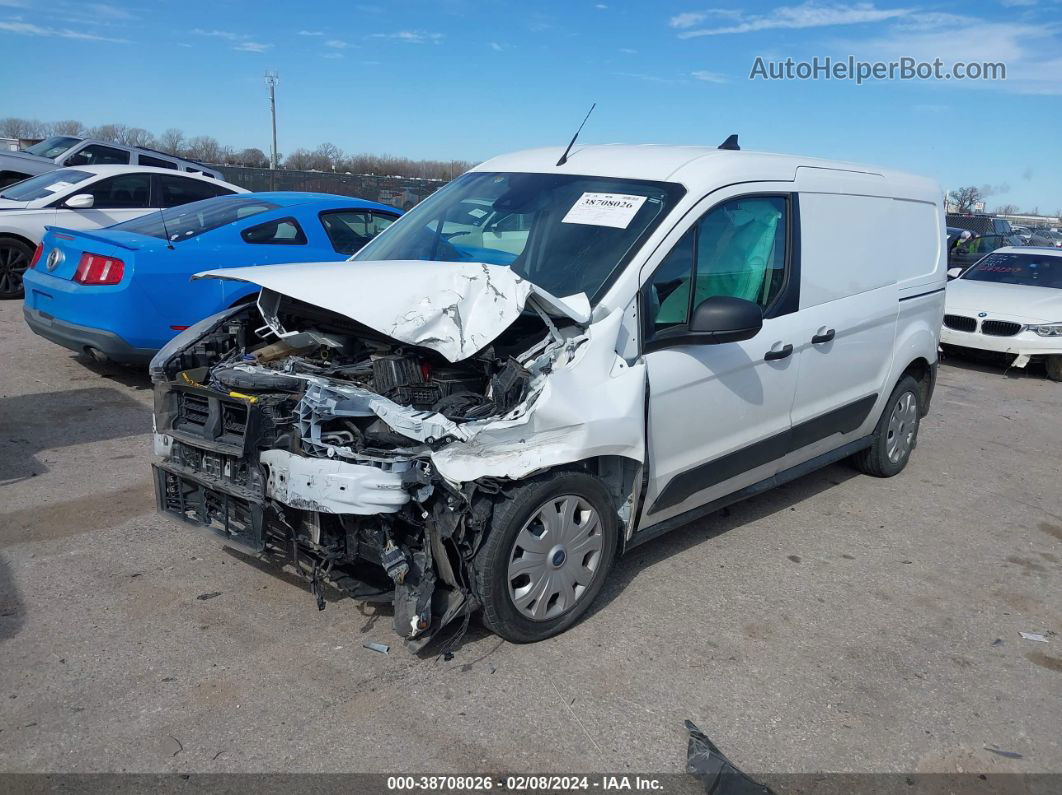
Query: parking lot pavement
[{"x": 838, "y": 623}]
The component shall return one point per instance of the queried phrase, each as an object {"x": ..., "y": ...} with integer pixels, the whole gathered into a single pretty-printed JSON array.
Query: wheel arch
[
  {"x": 622, "y": 478},
  {"x": 916, "y": 355},
  {"x": 20, "y": 238}
]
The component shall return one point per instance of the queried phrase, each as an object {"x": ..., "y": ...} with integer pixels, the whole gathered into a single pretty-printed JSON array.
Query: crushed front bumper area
[{"x": 368, "y": 529}]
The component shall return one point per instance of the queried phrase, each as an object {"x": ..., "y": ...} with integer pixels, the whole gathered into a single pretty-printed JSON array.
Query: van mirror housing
[
  {"x": 722, "y": 318},
  {"x": 954, "y": 273}
]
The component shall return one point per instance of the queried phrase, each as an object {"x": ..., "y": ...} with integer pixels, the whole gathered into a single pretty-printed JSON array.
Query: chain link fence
[{"x": 401, "y": 192}]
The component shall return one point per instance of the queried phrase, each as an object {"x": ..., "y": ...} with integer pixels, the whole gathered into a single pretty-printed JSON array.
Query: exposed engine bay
[{"x": 304, "y": 436}]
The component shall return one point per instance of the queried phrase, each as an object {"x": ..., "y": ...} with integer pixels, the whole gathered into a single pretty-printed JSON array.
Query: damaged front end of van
[{"x": 366, "y": 432}]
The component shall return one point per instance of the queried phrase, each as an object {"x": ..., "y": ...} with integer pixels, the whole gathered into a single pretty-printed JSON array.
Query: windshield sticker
[
  {"x": 477, "y": 212},
  {"x": 58, "y": 186},
  {"x": 604, "y": 209}
]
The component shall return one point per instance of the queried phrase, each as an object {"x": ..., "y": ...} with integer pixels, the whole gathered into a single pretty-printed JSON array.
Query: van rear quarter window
[{"x": 847, "y": 246}]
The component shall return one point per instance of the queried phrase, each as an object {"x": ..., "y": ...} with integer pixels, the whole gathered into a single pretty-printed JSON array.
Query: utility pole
[{"x": 271, "y": 79}]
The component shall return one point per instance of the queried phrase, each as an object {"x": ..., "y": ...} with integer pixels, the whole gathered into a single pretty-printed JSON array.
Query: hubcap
[
  {"x": 555, "y": 558},
  {"x": 13, "y": 264},
  {"x": 903, "y": 424}
]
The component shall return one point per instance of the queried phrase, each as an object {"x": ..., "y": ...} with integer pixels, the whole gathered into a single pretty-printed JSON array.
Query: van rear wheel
[
  {"x": 896, "y": 433},
  {"x": 548, "y": 551}
]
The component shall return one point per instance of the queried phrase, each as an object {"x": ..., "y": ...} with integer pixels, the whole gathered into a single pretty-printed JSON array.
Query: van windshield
[
  {"x": 1033, "y": 270},
  {"x": 566, "y": 233}
]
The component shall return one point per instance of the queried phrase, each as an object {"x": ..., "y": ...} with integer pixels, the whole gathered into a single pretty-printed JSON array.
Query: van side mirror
[
  {"x": 954, "y": 273},
  {"x": 722, "y": 318},
  {"x": 82, "y": 201}
]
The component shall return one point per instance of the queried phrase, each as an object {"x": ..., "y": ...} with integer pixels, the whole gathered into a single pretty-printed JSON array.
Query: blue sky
[{"x": 467, "y": 80}]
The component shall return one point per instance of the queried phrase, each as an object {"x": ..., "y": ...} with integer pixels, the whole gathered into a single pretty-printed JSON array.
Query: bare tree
[
  {"x": 109, "y": 132},
  {"x": 137, "y": 136},
  {"x": 68, "y": 127},
  {"x": 253, "y": 158},
  {"x": 300, "y": 160},
  {"x": 171, "y": 140},
  {"x": 964, "y": 199},
  {"x": 13, "y": 127},
  {"x": 1007, "y": 209},
  {"x": 205, "y": 148},
  {"x": 328, "y": 157}
]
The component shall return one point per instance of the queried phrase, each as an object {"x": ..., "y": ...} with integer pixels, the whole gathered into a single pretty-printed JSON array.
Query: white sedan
[
  {"x": 87, "y": 197},
  {"x": 1009, "y": 302}
]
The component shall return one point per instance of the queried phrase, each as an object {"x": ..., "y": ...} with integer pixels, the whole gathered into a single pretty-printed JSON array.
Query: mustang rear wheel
[
  {"x": 14, "y": 259},
  {"x": 550, "y": 546}
]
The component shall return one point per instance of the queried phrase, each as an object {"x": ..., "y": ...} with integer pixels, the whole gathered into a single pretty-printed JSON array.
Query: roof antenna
[
  {"x": 564, "y": 157},
  {"x": 730, "y": 143},
  {"x": 165, "y": 231}
]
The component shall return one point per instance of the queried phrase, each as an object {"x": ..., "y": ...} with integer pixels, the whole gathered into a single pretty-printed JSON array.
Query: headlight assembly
[{"x": 1046, "y": 329}]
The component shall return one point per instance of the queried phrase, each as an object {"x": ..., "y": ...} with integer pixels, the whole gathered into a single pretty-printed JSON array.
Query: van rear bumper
[{"x": 84, "y": 339}]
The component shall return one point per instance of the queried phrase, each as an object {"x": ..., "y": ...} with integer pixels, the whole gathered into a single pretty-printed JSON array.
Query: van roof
[{"x": 695, "y": 167}]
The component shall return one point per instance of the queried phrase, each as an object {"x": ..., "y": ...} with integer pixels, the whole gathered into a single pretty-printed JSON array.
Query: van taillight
[
  {"x": 97, "y": 269},
  {"x": 37, "y": 255}
]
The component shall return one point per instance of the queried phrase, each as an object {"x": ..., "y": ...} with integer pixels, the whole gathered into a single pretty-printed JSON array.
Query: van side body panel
[{"x": 873, "y": 267}]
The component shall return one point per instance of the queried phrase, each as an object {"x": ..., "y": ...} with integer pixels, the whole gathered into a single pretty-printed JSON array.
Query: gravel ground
[{"x": 840, "y": 623}]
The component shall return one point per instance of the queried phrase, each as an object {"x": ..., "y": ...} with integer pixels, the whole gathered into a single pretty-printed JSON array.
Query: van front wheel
[
  {"x": 549, "y": 548},
  {"x": 896, "y": 433}
]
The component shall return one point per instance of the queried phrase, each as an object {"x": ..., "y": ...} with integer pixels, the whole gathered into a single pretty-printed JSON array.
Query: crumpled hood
[
  {"x": 1018, "y": 301},
  {"x": 454, "y": 308}
]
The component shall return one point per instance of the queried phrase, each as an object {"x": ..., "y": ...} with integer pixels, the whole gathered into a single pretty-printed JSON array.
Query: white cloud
[
  {"x": 221, "y": 34},
  {"x": 252, "y": 46},
  {"x": 336, "y": 44},
  {"x": 26, "y": 29},
  {"x": 109, "y": 11},
  {"x": 411, "y": 36},
  {"x": 601, "y": 7},
  {"x": 1028, "y": 51},
  {"x": 708, "y": 77},
  {"x": 691, "y": 18},
  {"x": 332, "y": 55},
  {"x": 688, "y": 19},
  {"x": 810, "y": 14},
  {"x": 628, "y": 51},
  {"x": 496, "y": 47},
  {"x": 648, "y": 78},
  {"x": 310, "y": 33}
]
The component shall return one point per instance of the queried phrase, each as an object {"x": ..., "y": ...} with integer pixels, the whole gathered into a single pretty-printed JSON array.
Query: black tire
[
  {"x": 512, "y": 511},
  {"x": 15, "y": 257},
  {"x": 1054, "y": 367},
  {"x": 876, "y": 460}
]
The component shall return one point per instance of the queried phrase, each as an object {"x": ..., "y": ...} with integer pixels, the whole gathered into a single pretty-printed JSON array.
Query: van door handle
[
  {"x": 783, "y": 353},
  {"x": 818, "y": 339}
]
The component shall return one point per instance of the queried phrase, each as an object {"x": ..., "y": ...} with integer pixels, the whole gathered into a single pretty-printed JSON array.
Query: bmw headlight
[{"x": 1046, "y": 329}]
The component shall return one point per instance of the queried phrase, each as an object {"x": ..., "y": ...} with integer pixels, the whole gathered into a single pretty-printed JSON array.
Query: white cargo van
[{"x": 550, "y": 361}]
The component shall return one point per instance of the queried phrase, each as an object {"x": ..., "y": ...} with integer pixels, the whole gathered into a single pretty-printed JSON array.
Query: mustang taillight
[
  {"x": 37, "y": 255},
  {"x": 97, "y": 269}
]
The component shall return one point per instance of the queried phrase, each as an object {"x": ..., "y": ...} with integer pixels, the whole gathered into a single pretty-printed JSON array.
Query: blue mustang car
[{"x": 123, "y": 292}]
